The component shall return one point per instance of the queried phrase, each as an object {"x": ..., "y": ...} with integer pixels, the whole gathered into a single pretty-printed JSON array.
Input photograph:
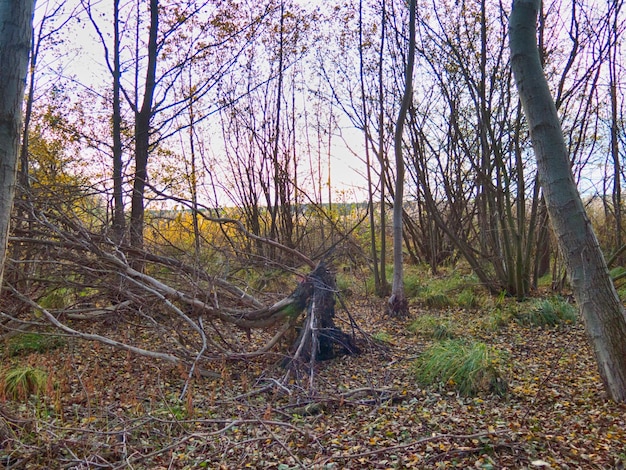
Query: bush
[
  {"x": 549, "y": 312},
  {"x": 469, "y": 368}
]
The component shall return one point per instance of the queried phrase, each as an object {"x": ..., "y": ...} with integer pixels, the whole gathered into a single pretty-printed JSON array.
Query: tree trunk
[
  {"x": 118, "y": 200},
  {"x": 382, "y": 155},
  {"x": 398, "y": 305},
  {"x": 602, "y": 311},
  {"x": 143, "y": 116},
  {"x": 16, "y": 19},
  {"x": 368, "y": 164},
  {"x": 614, "y": 38}
]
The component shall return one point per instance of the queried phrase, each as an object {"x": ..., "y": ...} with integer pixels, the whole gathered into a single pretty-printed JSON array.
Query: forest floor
[{"x": 104, "y": 408}]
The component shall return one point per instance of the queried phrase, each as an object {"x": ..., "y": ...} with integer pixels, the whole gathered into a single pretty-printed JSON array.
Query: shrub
[
  {"x": 23, "y": 381},
  {"x": 468, "y": 367},
  {"x": 549, "y": 312}
]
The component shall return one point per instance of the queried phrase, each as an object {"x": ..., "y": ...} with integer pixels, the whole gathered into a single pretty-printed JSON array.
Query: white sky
[{"x": 83, "y": 59}]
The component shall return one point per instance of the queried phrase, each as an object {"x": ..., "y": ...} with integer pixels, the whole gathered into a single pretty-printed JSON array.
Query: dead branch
[
  {"x": 176, "y": 301},
  {"x": 417, "y": 442}
]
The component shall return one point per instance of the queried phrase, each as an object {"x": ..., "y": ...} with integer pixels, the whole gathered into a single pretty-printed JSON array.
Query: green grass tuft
[
  {"x": 383, "y": 337},
  {"x": 413, "y": 285},
  {"x": 549, "y": 312},
  {"x": 498, "y": 318},
  {"x": 467, "y": 298},
  {"x": 23, "y": 381},
  {"x": 26, "y": 343},
  {"x": 58, "y": 298},
  {"x": 431, "y": 326},
  {"x": 440, "y": 301},
  {"x": 470, "y": 368},
  {"x": 345, "y": 284}
]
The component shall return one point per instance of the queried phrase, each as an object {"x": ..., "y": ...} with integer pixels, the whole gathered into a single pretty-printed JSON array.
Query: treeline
[{"x": 204, "y": 104}]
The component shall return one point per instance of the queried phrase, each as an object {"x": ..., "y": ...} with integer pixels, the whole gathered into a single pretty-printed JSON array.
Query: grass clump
[
  {"x": 383, "y": 337},
  {"x": 345, "y": 283},
  {"x": 444, "y": 291},
  {"x": 431, "y": 326},
  {"x": 467, "y": 298},
  {"x": 549, "y": 312},
  {"x": 23, "y": 381},
  {"x": 498, "y": 318},
  {"x": 437, "y": 301},
  {"x": 58, "y": 298},
  {"x": 26, "y": 343},
  {"x": 413, "y": 285},
  {"x": 469, "y": 368}
]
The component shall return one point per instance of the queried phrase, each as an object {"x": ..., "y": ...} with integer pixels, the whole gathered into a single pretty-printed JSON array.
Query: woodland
[{"x": 312, "y": 235}]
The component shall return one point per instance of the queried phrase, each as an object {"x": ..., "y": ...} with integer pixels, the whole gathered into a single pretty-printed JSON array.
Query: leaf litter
[{"x": 105, "y": 408}]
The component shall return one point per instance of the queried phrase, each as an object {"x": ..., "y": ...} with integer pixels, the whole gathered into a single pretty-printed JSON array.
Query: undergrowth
[
  {"x": 431, "y": 326},
  {"x": 549, "y": 312},
  {"x": 20, "y": 382},
  {"x": 26, "y": 343},
  {"x": 468, "y": 367}
]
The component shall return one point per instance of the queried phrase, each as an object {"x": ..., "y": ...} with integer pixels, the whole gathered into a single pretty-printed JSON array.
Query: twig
[
  {"x": 413, "y": 443},
  {"x": 282, "y": 444}
]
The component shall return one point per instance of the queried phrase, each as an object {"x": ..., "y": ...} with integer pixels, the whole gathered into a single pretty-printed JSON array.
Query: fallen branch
[{"x": 413, "y": 444}]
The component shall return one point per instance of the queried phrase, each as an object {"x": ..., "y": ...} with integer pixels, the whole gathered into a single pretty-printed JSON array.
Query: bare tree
[
  {"x": 398, "y": 305},
  {"x": 600, "y": 305},
  {"x": 143, "y": 117},
  {"x": 614, "y": 35},
  {"x": 119, "y": 219},
  {"x": 15, "y": 36}
]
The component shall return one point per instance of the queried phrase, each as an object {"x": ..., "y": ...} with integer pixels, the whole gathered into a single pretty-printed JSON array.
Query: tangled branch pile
[{"x": 64, "y": 275}]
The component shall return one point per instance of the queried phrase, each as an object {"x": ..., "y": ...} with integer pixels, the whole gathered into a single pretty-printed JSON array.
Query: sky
[{"x": 79, "y": 59}]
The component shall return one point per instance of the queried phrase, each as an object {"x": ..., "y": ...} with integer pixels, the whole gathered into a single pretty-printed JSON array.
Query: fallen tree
[{"x": 189, "y": 313}]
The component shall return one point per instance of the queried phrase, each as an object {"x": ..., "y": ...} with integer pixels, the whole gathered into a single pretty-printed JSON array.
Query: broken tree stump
[{"x": 319, "y": 338}]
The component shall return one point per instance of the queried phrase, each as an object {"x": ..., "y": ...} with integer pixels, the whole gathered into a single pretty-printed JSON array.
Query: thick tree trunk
[
  {"x": 16, "y": 18},
  {"x": 602, "y": 311}
]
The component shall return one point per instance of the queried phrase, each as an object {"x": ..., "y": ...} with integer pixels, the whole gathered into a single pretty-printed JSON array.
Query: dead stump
[{"x": 319, "y": 338}]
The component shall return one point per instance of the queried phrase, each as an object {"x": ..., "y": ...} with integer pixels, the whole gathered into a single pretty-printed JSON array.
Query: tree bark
[
  {"x": 602, "y": 311},
  {"x": 398, "y": 305},
  {"x": 143, "y": 117},
  {"x": 16, "y": 17},
  {"x": 118, "y": 197},
  {"x": 613, "y": 46}
]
